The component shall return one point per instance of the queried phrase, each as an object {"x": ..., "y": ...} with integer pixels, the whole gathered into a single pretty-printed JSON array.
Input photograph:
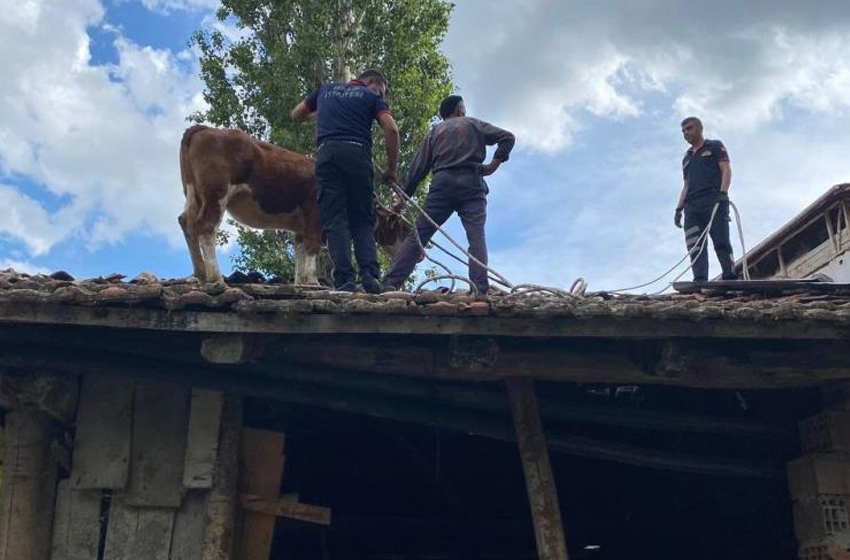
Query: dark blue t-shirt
[
  {"x": 701, "y": 169},
  {"x": 345, "y": 112}
]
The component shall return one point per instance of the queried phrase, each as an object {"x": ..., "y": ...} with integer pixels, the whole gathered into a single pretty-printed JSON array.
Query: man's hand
[
  {"x": 301, "y": 111},
  {"x": 491, "y": 167},
  {"x": 390, "y": 177},
  {"x": 391, "y": 139},
  {"x": 677, "y": 218},
  {"x": 399, "y": 207},
  {"x": 723, "y": 196}
]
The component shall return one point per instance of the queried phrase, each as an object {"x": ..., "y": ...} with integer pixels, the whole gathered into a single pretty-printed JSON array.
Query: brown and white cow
[{"x": 262, "y": 186}]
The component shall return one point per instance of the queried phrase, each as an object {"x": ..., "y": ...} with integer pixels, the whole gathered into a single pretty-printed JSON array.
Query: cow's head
[{"x": 390, "y": 230}]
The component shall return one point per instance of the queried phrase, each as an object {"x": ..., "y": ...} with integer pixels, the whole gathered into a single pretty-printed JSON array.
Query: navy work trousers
[
  {"x": 344, "y": 174},
  {"x": 462, "y": 191},
  {"x": 696, "y": 220}
]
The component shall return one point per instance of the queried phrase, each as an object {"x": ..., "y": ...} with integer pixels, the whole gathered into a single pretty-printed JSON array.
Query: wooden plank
[
  {"x": 188, "y": 531},
  {"x": 160, "y": 425},
  {"x": 28, "y": 488},
  {"x": 489, "y": 425},
  {"x": 262, "y": 469},
  {"x": 468, "y": 420},
  {"x": 287, "y": 508},
  {"x": 539, "y": 480},
  {"x": 202, "y": 440},
  {"x": 76, "y": 523},
  {"x": 479, "y": 396},
  {"x": 482, "y": 397},
  {"x": 263, "y": 461},
  {"x": 757, "y": 368},
  {"x": 138, "y": 533},
  {"x": 102, "y": 442},
  {"x": 283, "y": 323},
  {"x": 220, "y": 506}
]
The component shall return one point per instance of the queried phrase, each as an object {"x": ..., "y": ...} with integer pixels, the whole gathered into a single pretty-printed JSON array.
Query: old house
[
  {"x": 169, "y": 420},
  {"x": 815, "y": 242}
]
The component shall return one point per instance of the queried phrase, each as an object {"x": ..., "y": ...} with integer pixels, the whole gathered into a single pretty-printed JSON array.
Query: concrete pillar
[{"x": 819, "y": 483}]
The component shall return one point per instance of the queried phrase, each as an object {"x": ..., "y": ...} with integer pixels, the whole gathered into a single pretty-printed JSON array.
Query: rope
[
  {"x": 493, "y": 274},
  {"x": 472, "y": 287},
  {"x": 578, "y": 287},
  {"x": 449, "y": 272},
  {"x": 701, "y": 241},
  {"x": 744, "y": 266},
  {"x": 699, "y": 246},
  {"x": 577, "y": 290},
  {"x": 409, "y": 200}
]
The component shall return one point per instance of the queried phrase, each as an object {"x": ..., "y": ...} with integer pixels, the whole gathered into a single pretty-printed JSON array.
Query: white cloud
[
  {"x": 22, "y": 266},
  {"x": 104, "y": 137},
  {"x": 166, "y": 6},
  {"x": 607, "y": 215},
  {"x": 595, "y": 92},
  {"x": 609, "y": 79},
  {"x": 536, "y": 66},
  {"x": 23, "y": 218}
]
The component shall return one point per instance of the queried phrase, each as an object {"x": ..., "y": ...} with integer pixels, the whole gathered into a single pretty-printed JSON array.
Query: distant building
[{"x": 815, "y": 242}]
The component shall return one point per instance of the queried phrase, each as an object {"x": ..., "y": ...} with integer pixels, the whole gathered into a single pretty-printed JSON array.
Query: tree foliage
[{"x": 287, "y": 48}]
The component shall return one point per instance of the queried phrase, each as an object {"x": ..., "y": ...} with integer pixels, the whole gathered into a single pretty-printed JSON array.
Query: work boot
[
  {"x": 349, "y": 287},
  {"x": 371, "y": 285}
]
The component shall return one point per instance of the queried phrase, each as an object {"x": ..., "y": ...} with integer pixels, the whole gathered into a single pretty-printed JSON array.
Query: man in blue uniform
[
  {"x": 453, "y": 152},
  {"x": 344, "y": 171},
  {"x": 707, "y": 176}
]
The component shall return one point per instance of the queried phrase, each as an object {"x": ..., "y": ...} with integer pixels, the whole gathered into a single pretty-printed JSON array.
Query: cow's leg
[
  {"x": 213, "y": 203},
  {"x": 308, "y": 244},
  {"x": 306, "y": 255},
  {"x": 299, "y": 260},
  {"x": 192, "y": 241},
  {"x": 212, "y": 274}
]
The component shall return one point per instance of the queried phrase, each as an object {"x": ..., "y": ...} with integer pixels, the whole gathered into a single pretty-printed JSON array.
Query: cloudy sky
[{"x": 94, "y": 95}]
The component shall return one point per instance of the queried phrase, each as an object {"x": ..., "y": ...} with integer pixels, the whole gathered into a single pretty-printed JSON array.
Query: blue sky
[{"x": 95, "y": 95}]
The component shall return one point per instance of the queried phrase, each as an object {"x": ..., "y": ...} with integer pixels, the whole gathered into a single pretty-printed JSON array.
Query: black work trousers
[
  {"x": 344, "y": 174},
  {"x": 462, "y": 191},
  {"x": 696, "y": 220}
]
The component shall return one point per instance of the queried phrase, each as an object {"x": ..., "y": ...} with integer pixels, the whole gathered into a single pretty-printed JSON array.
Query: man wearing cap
[
  {"x": 453, "y": 152},
  {"x": 707, "y": 176},
  {"x": 344, "y": 171}
]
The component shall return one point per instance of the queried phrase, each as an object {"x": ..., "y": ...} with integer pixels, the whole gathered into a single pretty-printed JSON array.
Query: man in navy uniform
[
  {"x": 453, "y": 152},
  {"x": 707, "y": 175},
  {"x": 344, "y": 171}
]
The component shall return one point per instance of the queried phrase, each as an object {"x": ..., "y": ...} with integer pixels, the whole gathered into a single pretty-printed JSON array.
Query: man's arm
[
  {"x": 302, "y": 111},
  {"x": 419, "y": 167},
  {"x": 505, "y": 141},
  {"x": 391, "y": 139},
  {"x": 306, "y": 108},
  {"x": 683, "y": 195},
  {"x": 726, "y": 175},
  {"x": 677, "y": 216}
]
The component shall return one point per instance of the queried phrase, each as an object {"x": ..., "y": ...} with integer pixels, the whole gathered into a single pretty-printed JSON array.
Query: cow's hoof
[
  {"x": 310, "y": 286},
  {"x": 215, "y": 288}
]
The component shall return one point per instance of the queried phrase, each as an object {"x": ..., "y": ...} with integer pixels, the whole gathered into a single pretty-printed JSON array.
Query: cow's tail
[{"x": 185, "y": 167}]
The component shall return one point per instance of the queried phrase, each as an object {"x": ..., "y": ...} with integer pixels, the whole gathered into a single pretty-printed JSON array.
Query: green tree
[{"x": 288, "y": 48}]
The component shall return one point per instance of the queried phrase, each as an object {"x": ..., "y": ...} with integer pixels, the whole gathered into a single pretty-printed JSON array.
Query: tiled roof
[{"x": 149, "y": 292}]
